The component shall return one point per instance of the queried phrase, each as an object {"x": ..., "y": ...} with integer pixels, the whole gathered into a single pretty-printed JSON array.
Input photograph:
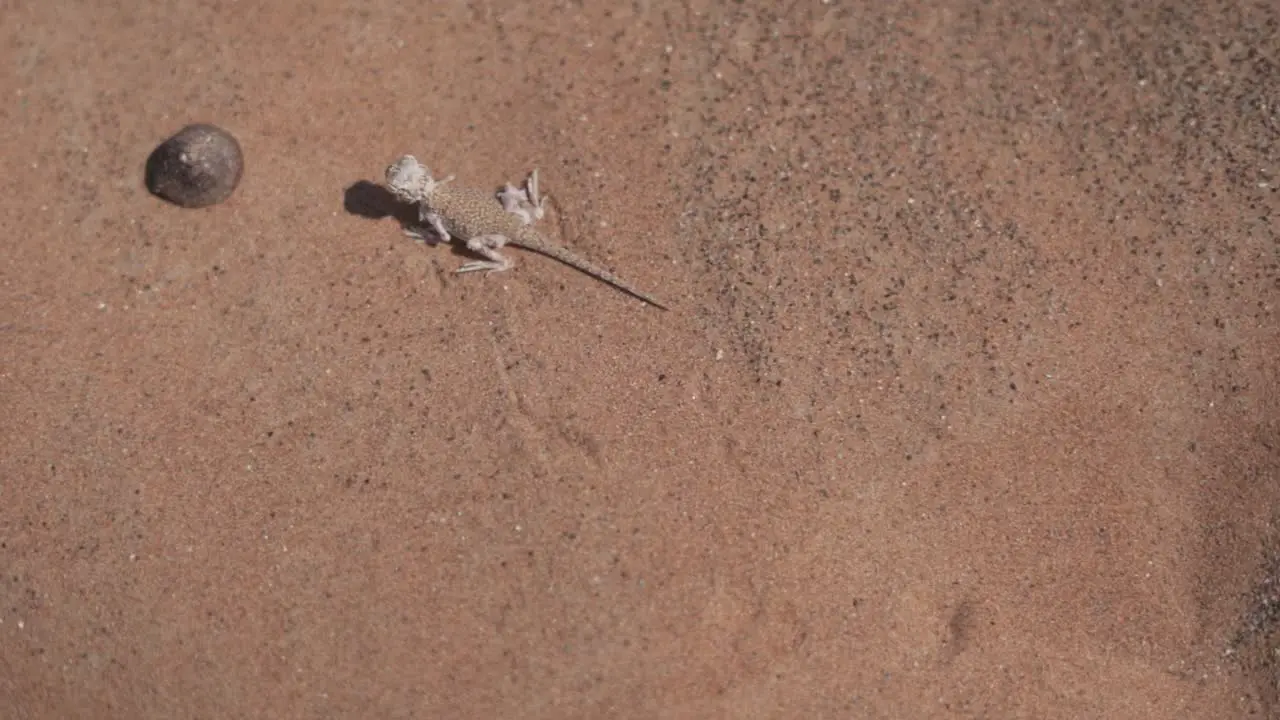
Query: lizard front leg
[
  {"x": 525, "y": 203},
  {"x": 432, "y": 232},
  {"x": 487, "y": 246},
  {"x": 422, "y": 234}
]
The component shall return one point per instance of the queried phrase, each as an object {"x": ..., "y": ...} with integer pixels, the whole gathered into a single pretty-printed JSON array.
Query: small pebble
[{"x": 198, "y": 167}]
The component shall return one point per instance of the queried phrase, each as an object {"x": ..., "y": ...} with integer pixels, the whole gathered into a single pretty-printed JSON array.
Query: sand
[{"x": 966, "y": 406}]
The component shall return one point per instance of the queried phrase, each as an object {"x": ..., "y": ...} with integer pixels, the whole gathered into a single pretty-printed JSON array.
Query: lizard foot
[
  {"x": 486, "y": 246},
  {"x": 422, "y": 234},
  {"x": 483, "y": 265}
]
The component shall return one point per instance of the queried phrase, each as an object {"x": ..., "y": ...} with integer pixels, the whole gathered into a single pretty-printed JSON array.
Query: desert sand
[{"x": 966, "y": 405}]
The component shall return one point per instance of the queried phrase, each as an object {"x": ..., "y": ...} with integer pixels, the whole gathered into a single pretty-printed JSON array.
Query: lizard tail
[{"x": 585, "y": 266}]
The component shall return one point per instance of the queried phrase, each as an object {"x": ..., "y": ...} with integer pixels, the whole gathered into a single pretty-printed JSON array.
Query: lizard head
[{"x": 409, "y": 180}]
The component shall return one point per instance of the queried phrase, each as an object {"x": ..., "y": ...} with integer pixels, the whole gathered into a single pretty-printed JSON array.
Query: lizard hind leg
[
  {"x": 487, "y": 246},
  {"x": 525, "y": 203}
]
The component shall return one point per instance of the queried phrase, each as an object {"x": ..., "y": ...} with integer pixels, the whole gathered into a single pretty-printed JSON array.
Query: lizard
[{"x": 472, "y": 218}]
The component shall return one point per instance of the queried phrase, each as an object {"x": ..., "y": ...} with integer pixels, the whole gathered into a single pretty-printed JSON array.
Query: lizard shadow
[{"x": 371, "y": 200}]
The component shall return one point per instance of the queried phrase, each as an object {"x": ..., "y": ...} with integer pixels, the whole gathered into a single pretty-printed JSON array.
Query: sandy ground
[{"x": 966, "y": 406}]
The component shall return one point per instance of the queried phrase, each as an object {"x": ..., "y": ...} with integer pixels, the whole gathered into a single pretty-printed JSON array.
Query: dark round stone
[{"x": 198, "y": 167}]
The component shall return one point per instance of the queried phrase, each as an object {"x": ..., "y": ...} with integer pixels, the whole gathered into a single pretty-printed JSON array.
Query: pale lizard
[{"x": 473, "y": 218}]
